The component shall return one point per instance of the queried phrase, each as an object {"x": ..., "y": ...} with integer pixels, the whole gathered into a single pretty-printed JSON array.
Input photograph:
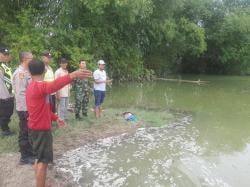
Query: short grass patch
[{"x": 111, "y": 117}]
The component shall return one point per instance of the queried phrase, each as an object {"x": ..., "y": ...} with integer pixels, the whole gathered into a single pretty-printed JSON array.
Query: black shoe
[
  {"x": 78, "y": 117},
  {"x": 7, "y": 133},
  {"x": 85, "y": 114},
  {"x": 27, "y": 160}
]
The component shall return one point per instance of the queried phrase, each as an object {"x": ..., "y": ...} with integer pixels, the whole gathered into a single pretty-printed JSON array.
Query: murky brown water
[{"x": 209, "y": 147}]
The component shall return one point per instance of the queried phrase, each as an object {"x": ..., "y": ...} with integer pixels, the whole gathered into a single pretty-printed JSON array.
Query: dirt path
[{"x": 14, "y": 175}]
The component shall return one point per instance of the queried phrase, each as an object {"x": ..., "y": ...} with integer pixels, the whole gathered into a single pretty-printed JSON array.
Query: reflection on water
[{"x": 212, "y": 150}]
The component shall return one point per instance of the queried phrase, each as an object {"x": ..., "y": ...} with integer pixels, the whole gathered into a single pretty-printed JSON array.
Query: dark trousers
[
  {"x": 23, "y": 139},
  {"x": 52, "y": 101},
  {"x": 6, "y": 110}
]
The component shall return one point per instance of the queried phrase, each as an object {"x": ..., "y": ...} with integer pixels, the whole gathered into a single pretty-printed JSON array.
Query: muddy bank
[
  {"x": 12, "y": 174},
  {"x": 76, "y": 134},
  {"x": 64, "y": 144}
]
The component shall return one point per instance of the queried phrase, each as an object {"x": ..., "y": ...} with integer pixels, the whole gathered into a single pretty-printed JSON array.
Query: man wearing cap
[
  {"x": 6, "y": 96},
  {"x": 82, "y": 93},
  {"x": 21, "y": 79},
  {"x": 49, "y": 76},
  {"x": 100, "y": 81}
]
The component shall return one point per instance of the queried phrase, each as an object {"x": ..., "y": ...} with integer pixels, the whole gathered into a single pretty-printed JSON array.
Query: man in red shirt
[{"x": 41, "y": 116}]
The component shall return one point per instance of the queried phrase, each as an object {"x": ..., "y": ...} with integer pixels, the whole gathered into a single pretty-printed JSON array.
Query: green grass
[
  {"x": 9, "y": 144},
  {"x": 156, "y": 118},
  {"x": 110, "y": 117}
]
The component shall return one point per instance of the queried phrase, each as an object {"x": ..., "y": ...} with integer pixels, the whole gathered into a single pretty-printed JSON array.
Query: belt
[{"x": 7, "y": 99}]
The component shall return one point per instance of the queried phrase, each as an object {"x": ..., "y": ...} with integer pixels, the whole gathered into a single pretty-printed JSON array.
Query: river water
[{"x": 208, "y": 145}]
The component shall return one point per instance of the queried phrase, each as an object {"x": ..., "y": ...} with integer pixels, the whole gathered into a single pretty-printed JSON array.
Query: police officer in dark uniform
[{"x": 6, "y": 95}]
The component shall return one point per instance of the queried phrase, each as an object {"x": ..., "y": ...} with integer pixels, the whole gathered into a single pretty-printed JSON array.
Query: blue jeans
[
  {"x": 63, "y": 107},
  {"x": 99, "y": 97}
]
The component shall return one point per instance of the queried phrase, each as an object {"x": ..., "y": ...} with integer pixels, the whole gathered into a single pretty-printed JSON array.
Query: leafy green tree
[{"x": 135, "y": 38}]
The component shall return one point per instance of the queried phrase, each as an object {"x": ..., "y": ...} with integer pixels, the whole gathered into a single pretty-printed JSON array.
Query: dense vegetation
[{"x": 135, "y": 37}]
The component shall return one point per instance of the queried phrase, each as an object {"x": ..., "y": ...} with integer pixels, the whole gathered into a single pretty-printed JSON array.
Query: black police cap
[{"x": 4, "y": 50}]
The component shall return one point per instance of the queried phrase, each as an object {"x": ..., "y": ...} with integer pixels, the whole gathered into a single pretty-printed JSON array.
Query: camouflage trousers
[{"x": 81, "y": 103}]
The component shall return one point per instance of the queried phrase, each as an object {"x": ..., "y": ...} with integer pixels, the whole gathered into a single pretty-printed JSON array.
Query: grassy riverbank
[
  {"x": 76, "y": 134},
  {"x": 111, "y": 119}
]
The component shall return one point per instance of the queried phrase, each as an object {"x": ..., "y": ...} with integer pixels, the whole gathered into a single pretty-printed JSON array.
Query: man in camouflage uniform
[{"x": 82, "y": 93}]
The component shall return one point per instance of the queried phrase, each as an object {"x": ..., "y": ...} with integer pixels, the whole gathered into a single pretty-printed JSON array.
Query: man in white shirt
[
  {"x": 62, "y": 95},
  {"x": 100, "y": 81}
]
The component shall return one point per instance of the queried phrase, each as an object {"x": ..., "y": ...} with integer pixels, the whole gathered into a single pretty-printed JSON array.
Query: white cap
[{"x": 100, "y": 62}]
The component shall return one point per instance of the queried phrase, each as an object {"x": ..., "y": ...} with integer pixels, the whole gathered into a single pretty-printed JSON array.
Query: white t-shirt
[
  {"x": 63, "y": 92},
  {"x": 100, "y": 75}
]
